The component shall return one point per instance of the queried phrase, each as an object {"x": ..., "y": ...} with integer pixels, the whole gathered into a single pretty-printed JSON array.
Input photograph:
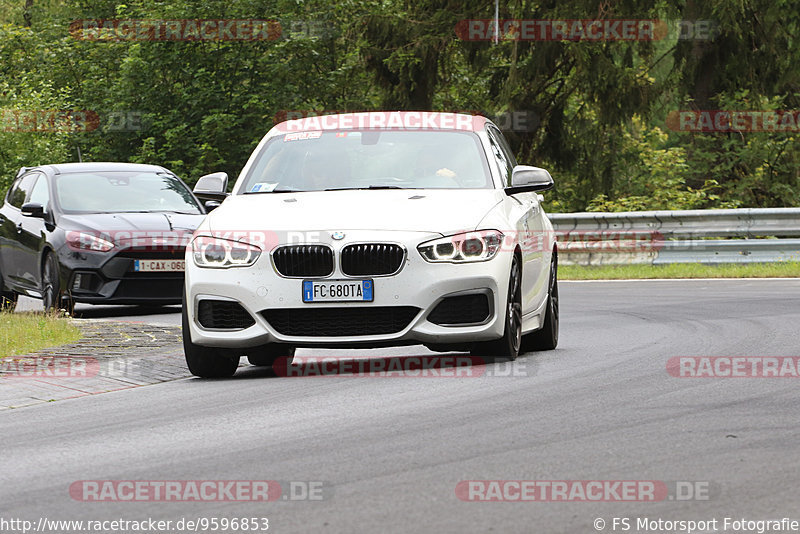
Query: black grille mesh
[
  {"x": 304, "y": 260},
  {"x": 461, "y": 309},
  {"x": 142, "y": 287},
  {"x": 223, "y": 315},
  {"x": 325, "y": 322},
  {"x": 369, "y": 259}
]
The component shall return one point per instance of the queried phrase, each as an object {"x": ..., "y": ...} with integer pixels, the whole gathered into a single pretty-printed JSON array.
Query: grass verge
[
  {"x": 21, "y": 333},
  {"x": 679, "y": 270}
]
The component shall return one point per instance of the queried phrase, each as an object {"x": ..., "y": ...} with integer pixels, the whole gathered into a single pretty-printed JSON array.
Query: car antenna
[{"x": 80, "y": 158}]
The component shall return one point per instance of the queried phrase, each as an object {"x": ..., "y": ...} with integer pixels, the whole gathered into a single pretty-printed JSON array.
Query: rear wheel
[
  {"x": 8, "y": 298},
  {"x": 507, "y": 347},
  {"x": 266, "y": 355},
  {"x": 205, "y": 362},
  {"x": 546, "y": 338}
]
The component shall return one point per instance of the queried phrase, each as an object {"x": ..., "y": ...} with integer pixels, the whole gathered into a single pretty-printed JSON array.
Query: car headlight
[
  {"x": 219, "y": 253},
  {"x": 86, "y": 241},
  {"x": 480, "y": 245}
]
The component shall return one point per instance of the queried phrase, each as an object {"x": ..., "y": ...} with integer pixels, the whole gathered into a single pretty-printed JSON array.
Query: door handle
[{"x": 19, "y": 228}]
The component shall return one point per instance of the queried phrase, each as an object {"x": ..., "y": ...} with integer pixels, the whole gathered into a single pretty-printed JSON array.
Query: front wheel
[
  {"x": 205, "y": 362},
  {"x": 507, "y": 347},
  {"x": 546, "y": 338},
  {"x": 51, "y": 285}
]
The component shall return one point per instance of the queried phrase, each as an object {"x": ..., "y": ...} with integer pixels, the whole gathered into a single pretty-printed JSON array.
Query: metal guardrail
[{"x": 752, "y": 235}]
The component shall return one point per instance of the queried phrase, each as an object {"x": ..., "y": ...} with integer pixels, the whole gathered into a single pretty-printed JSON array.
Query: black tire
[
  {"x": 546, "y": 338},
  {"x": 205, "y": 362},
  {"x": 508, "y": 346},
  {"x": 265, "y": 355},
  {"x": 8, "y": 298},
  {"x": 52, "y": 300}
]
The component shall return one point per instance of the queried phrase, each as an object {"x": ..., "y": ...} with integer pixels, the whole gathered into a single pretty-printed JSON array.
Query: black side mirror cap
[
  {"x": 33, "y": 209},
  {"x": 525, "y": 178}
]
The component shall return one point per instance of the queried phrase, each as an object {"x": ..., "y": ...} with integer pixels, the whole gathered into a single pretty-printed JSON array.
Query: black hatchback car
[{"x": 100, "y": 233}]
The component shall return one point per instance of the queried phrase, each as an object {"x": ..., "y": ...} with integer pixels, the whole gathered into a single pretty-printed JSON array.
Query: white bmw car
[{"x": 368, "y": 230}]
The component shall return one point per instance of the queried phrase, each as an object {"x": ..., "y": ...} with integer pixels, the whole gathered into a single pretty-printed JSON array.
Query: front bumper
[
  {"x": 419, "y": 286},
  {"x": 110, "y": 278}
]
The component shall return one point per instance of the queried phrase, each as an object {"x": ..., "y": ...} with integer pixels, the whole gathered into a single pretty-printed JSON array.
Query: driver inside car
[{"x": 429, "y": 171}]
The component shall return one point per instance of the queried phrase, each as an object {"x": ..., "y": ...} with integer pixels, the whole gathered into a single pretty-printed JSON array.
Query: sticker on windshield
[
  {"x": 263, "y": 187},
  {"x": 300, "y": 136}
]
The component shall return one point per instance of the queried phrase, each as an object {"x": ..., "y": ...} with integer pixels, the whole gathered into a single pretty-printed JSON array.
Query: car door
[
  {"x": 530, "y": 227},
  {"x": 32, "y": 234},
  {"x": 11, "y": 228}
]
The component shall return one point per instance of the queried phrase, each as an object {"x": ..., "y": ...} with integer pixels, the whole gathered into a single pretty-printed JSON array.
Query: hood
[
  {"x": 126, "y": 222},
  {"x": 412, "y": 210}
]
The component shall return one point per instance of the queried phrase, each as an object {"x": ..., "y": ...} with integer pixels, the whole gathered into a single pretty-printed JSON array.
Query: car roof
[{"x": 66, "y": 168}]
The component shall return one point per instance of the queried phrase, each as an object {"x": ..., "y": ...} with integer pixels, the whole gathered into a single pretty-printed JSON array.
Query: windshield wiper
[
  {"x": 274, "y": 191},
  {"x": 368, "y": 187}
]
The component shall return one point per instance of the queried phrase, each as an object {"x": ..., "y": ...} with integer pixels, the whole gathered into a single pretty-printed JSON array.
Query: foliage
[
  {"x": 782, "y": 269},
  {"x": 600, "y": 107}
]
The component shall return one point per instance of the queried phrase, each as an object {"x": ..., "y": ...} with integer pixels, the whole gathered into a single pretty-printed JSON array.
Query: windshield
[
  {"x": 368, "y": 159},
  {"x": 123, "y": 192}
]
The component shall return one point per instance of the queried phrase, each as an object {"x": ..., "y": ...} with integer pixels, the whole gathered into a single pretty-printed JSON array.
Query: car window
[
  {"x": 41, "y": 192},
  {"x": 505, "y": 162},
  {"x": 20, "y": 190},
  {"x": 123, "y": 192},
  {"x": 504, "y": 146},
  {"x": 354, "y": 159}
]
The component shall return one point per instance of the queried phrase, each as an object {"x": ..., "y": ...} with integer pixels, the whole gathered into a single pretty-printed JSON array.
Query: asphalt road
[{"x": 390, "y": 452}]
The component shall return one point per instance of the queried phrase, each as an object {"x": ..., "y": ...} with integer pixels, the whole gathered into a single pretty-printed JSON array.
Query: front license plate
[
  {"x": 337, "y": 290},
  {"x": 159, "y": 266}
]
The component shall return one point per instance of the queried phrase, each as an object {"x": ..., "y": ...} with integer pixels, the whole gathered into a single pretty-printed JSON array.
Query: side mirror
[
  {"x": 212, "y": 188},
  {"x": 33, "y": 209},
  {"x": 525, "y": 178},
  {"x": 212, "y": 204},
  {"x": 212, "y": 183}
]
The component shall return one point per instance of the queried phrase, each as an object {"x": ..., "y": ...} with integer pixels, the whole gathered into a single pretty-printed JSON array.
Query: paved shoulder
[{"x": 109, "y": 356}]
